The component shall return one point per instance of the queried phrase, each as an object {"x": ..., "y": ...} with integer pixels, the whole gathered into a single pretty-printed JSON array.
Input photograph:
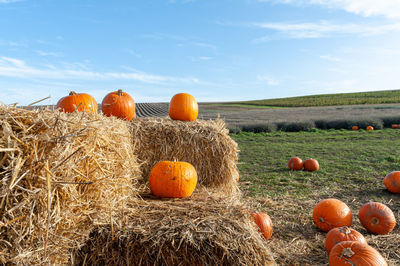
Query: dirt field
[{"x": 245, "y": 115}]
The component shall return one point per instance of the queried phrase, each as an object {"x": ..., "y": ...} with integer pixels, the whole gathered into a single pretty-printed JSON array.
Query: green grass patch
[
  {"x": 374, "y": 97},
  {"x": 245, "y": 105},
  {"x": 351, "y": 162}
]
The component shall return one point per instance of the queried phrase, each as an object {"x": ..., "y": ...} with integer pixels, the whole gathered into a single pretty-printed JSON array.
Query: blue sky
[{"x": 216, "y": 50}]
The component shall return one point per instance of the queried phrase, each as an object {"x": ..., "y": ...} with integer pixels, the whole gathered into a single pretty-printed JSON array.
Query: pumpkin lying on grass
[
  {"x": 311, "y": 165},
  {"x": 392, "y": 182},
  {"x": 295, "y": 163}
]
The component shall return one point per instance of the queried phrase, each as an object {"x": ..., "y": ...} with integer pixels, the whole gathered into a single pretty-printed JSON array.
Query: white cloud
[
  {"x": 386, "y": 8},
  {"x": 205, "y": 45},
  {"x": 9, "y": 1},
  {"x": 11, "y": 67},
  {"x": 43, "y": 53},
  {"x": 324, "y": 29},
  {"x": 180, "y": 1},
  {"x": 330, "y": 58},
  {"x": 133, "y": 52},
  {"x": 199, "y": 58},
  {"x": 268, "y": 80}
]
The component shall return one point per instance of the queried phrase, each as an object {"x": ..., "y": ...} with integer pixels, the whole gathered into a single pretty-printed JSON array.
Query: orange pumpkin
[
  {"x": 184, "y": 107},
  {"x": 119, "y": 104},
  {"x": 354, "y": 128},
  {"x": 348, "y": 253},
  {"x": 339, "y": 234},
  {"x": 392, "y": 182},
  {"x": 173, "y": 179},
  {"x": 311, "y": 165},
  {"x": 331, "y": 213},
  {"x": 377, "y": 218},
  {"x": 295, "y": 163},
  {"x": 78, "y": 102},
  {"x": 370, "y": 128},
  {"x": 264, "y": 223},
  {"x": 395, "y": 126}
]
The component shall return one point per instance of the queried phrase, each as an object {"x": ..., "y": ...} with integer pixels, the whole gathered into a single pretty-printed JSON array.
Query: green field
[
  {"x": 375, "y": 97},
  {"x": 352, "y": 167}
]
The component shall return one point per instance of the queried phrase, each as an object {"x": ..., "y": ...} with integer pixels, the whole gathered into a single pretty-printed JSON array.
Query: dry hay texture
[
  {"x": 205, "y": 144},
  {"x": 59, "y": 175},
  {"x": 72, "y": 192},
  {"x": 202, "y": 230}
]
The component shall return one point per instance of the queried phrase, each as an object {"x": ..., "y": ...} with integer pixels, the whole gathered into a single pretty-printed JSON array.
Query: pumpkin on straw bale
[
  {"x": 204, "y": 144},
  {"x": 60, "y": 174}
]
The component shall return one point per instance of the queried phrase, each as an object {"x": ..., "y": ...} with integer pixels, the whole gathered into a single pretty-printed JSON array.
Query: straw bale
[
  {"x": 205, "y": 229},
  {"x": 59, "y": 175},
  {"x": 205, "y": 144}
]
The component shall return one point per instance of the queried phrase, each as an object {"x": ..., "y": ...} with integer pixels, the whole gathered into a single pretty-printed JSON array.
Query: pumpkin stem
[
  {"x": 347, "y": 252},
  {"x": 72, "y": 93},
  {"x": 119, "y": 93},
  {"x": 345, "y": 230},
  {"x": 322, "y": 219},
  {"x": 374, "y": 221}
]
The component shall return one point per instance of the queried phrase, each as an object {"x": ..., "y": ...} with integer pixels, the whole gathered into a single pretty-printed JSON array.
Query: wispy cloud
[
  {"x": 133, "y": 52},
  {"x": 330, "y": 58},
  {"x": 9, "y": 1},
  {"x": 324, "y": 29},
  {"x": 43, "y": 53},
  {"x": 386, "y": 8},
  {"x": 199, "y": 58},
  {"x": 268, "y": 80},
  {"x": 12, "y": 44},
  {"x": 205, "y": 45},
  {"x": 12, "y": 67},
  {"x": 180, "y": 1}
]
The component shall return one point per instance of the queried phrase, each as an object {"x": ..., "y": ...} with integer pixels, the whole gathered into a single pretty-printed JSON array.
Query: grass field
[
  {"x": 374, "y": 97},
  {"x": 352, "y": 167}
]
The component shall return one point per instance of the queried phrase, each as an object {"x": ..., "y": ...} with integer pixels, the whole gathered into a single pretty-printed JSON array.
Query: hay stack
[
  {"x": 60, "y": 175},
  {"x": 204, "y": 144},
  {"x": 202, "y": 230}
]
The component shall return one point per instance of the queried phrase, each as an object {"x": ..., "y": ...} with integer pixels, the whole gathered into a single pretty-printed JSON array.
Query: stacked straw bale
[
  {"x": 212, "y": 227},
  {"x": 204, "y": 144},
  {"x": 60, "y": 175},
  {"x": 201, "y": 230}
]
